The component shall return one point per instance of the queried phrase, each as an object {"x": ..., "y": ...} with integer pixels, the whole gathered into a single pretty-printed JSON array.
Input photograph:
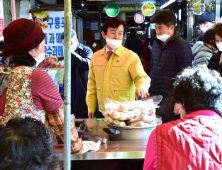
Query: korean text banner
[{"x": 52, "y": 24}]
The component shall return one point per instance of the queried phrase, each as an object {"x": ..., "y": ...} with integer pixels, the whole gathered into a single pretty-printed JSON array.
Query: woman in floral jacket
[{"x": 26, "y": 91}]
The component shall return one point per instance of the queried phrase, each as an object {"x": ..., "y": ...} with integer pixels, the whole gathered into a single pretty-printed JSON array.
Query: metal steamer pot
[{"x": 117, "y": 133}]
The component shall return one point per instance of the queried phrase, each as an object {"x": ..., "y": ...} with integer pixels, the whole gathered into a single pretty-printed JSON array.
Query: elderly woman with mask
[
  {"x": 26, "y": 91},
  {"x": 194, "y": 141},
  {"x": 203, "y": 50},
  {"x": 215, "y": 62}
]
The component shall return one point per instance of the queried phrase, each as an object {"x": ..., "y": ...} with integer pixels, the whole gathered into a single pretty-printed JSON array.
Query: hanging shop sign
[
  {"x": 148, "y": 9},
  {"x": 139, "y": 18},
  {"x": 1, "y": 26},
  {"x": 198, "y": 8},
  {"x": 112, "y": 10}
]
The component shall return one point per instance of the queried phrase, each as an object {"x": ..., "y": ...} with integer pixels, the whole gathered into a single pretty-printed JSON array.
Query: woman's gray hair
[
  {"x": 73, "y": 35},
  {"x": 199, "y": 89}
]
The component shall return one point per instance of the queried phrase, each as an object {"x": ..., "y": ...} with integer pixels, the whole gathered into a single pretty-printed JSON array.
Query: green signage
[
  {"x": 99, "y": 120},
  {"x": 112, "y": 10}
]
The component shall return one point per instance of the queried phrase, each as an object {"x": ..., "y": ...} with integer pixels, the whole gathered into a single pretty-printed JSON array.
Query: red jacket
[{"x": 192, "y": 143}]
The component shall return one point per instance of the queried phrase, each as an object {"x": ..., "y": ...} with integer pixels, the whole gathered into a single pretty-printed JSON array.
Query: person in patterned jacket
[{"x": 26, "y": 91}]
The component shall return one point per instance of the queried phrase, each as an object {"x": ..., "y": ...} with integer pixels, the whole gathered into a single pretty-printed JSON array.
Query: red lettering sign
[
  {"x": 1, "y": 26},
  {"x": 145, "y": 7}
]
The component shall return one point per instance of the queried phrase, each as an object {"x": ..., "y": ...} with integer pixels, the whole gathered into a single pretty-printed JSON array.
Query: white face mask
[
  {"x": 40, "y": 58},
  {"x": 204, "y": 29},
  {"x": 74, "y": 45},
  {"x": 163, "y": 37},
  {"x": 219, "y": 46},
  {"x": 73, "y": 48},
  {"x": 114, "y": 44}
]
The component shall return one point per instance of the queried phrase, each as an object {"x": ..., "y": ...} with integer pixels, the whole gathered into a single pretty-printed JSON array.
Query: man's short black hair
[
  {"x": 208, "y": 36},
  {"x": 73, "y": 35},
  {"x": 199, "y": 89},
  {"x": 132, "y": 31},
  {"x": 165, "y": 17},
  {"x": 26, "y": 144},
  {"x": 113, "y": 22},
  {"x": 206, "y": 17}
]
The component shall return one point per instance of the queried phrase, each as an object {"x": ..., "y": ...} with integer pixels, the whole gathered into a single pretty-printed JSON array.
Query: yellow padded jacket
[{"x": 117, "y": 78}]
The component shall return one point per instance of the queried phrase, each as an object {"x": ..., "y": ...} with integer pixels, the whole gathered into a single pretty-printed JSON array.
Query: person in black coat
[
  {"x": 215, "y": 62},
  {"x": 80, "y": 62},
  {"x": 170, "y": 54},
  {"x": 134, "y": 43}
]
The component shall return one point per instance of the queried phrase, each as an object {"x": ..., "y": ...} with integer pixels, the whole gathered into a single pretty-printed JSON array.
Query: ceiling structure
[
  {"x": 93, "y": 5},
  {"x": 85, "y": 7}
]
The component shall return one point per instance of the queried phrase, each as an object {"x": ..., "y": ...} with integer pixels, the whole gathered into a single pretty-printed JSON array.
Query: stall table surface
[{"x": 111, "y": 150}]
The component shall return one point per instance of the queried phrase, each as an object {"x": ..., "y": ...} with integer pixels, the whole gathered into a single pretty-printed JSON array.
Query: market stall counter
[{"x": 134, "y": 149}]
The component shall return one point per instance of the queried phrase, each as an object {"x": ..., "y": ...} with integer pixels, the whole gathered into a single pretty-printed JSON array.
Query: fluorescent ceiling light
[
  {"x": 179, "y": 14},
  {"x": 166, "y": 4}
]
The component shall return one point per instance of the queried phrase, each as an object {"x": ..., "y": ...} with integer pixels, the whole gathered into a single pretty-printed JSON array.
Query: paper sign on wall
[
  {"x": 94, "y": 26},
  {"x": 97, "y": 36}
]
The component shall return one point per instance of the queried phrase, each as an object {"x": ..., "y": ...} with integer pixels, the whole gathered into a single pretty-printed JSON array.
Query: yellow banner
[
  {"x": 148, "y": 9},
  {"x": 196, "y": 8}
]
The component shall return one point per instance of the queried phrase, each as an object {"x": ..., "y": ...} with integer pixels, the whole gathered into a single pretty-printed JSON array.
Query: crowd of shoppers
[
  {"x": 194, "y": 140},
  {"x": 191, "y": 93}
]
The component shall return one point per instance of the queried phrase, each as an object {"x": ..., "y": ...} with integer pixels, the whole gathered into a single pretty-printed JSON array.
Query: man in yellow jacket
[{"x": 115, "y": 72}]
